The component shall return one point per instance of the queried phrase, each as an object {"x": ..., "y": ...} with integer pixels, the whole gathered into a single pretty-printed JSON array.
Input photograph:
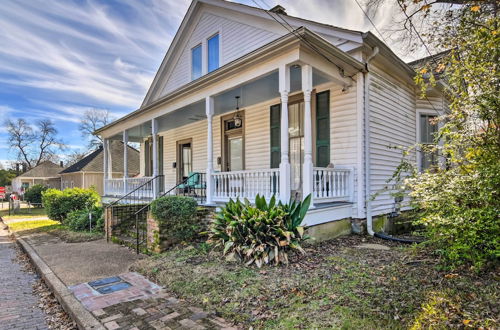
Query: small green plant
[
  {"x": 78, "y": 220},
  {"x": 263, "y": 233},
  {"x": 59, "y": 204},
  {"x": 177, "y": 220},
  {"x": 34, "y": 194}
]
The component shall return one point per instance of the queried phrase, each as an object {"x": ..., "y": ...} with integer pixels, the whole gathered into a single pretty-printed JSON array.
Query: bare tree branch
[{"x": 92, "y": 120}]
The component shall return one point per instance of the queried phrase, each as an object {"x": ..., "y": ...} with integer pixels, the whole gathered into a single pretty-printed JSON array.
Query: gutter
[{"x": 366, "y": 86}]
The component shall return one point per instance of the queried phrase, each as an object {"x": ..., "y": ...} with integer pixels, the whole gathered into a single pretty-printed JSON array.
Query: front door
[
  {"x": 184, "y": 159},
  {"x": 233, "y": 143},
  {"x": 296, "y": 146}
]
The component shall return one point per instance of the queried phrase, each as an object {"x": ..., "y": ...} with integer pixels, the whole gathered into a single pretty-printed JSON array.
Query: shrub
[
  {"x": 260, "y": 234},
  {"x": 460, "y": 213},
  {"x": 176, "y": 216},
  {"x": 78, "y": 220},
  {"x": 59, "y": 204},
  {"x": 34, "y": 194}
]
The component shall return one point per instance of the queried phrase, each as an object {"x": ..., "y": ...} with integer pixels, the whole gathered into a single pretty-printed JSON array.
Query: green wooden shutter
[
  {"x": 323, "y": 129},
  {"x": 275, "y": 135},
  {"x": 147, "y": 157}
]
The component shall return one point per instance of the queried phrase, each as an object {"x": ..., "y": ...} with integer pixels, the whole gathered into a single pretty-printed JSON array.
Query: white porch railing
[
  {"x": 122, "y": 186},
  {"x": 333, "y": 184},
  {"x": 246, "y": 184}
]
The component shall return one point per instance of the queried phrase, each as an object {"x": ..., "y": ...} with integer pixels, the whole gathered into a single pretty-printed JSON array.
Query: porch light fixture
[{"x": 237, "y": 119}]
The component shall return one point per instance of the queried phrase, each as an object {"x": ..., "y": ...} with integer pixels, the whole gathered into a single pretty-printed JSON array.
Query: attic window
[
  {"x": 213, "y": 53},
  {"x": 196, "y": 62}
]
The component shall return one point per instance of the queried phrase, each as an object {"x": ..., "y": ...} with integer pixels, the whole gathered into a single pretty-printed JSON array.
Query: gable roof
[
  {"x": 252, "y": 57},
  {"x": 94, "y": 162},
  {"x": 46, "y": 169},
  {"x": 169, "y": 58}
]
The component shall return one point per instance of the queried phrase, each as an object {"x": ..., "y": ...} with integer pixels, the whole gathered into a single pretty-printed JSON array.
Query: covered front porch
[{"x": 264, "y": 129}]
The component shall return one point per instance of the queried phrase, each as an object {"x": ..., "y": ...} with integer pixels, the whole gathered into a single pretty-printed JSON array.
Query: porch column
[
  {"x": 125, "y": 162},
  {"x": 307, "y": 172},
  {"x": 284, "y": 88},
  {"x": 154, "y": 132},
  {"x": 209, "y": 109},
  {"x": 105, "y": 164}
]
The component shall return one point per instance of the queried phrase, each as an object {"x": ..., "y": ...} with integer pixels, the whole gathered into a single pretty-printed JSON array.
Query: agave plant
[{"x": 263, "y": 233}]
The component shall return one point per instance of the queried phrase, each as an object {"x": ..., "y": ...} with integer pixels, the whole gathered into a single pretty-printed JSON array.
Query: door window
[
  {"x": 235, "y": 153},
  {"x": 186, "y": 160},
  {"x": 296, "y": 143}
]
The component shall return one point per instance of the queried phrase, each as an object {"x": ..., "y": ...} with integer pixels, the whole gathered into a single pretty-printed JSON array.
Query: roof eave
[{"x": 275, "y": 45}]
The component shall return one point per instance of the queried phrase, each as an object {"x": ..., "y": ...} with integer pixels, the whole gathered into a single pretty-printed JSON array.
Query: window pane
[
  {"x": 236, "y": 154},
  {"x": 196, "y": 62},
  {"x": 213, "y": 53}
]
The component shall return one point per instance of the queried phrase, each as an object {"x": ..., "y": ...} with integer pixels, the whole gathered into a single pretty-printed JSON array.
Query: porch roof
[{"x": 302, "y": 36}]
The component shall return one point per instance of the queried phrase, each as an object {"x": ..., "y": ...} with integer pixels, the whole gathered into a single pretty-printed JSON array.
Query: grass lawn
[
  {"x": 336, "y": 285},
  {"x": 54, "y": 228},
  {"x": 24, "y": 213}
]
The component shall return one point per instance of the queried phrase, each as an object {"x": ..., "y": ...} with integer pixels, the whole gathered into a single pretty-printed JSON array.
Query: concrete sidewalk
[{"x": 122, "y": 299}]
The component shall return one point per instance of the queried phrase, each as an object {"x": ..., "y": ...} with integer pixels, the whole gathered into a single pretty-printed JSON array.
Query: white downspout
[{"x": 366, "y": 86}]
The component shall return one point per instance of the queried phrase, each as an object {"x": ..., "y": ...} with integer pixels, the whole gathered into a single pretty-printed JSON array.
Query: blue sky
[{"x": 61, "y": 57}]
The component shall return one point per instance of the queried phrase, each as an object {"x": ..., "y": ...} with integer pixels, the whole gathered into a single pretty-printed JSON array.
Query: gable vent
[{"x": 278, "y": 10}]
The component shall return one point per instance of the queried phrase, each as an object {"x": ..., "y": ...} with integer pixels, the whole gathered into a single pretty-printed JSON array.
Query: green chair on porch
[{"x": 192, "y": 183}]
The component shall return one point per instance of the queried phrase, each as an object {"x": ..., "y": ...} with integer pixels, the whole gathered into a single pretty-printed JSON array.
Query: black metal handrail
[
  {"x": 133, "y": 191},
  {"x": 202, "y": 187},
  {"x": 183, "y": 182}
]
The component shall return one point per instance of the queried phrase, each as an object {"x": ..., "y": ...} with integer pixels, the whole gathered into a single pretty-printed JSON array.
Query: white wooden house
[{"x": 265, "y": 108}]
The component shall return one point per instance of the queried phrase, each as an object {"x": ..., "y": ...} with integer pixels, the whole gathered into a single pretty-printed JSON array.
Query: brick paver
[
  {"x": 18, "y": 304},
  {"x": 144, "y": 305},
  {"x": 158, "y": 313}
]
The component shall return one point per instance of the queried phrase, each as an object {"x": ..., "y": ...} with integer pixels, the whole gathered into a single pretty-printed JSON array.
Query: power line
[
  {"x": 370, "y": 20},
  {"x": 313, "y": 47},
  {"x": 375, "y": 27}
]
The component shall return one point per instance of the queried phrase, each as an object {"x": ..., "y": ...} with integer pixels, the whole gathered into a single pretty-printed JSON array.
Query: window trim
[
  {"x": 191, "y": 61},
  {"x": 418, "y": 136},
  {"x": 219, "y": 51}
]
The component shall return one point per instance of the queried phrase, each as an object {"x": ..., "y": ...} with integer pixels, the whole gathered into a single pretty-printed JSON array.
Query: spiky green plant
[{"x": 263, "y": 233}]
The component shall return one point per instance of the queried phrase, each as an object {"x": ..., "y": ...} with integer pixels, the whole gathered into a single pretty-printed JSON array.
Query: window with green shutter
[
  {"x": 275, "y": 121},
  {"x": 323, "y": 129}
]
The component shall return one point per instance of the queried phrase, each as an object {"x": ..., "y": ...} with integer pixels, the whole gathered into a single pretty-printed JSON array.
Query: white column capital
[
  {"x": 284, "y": 96},
  {"x": 209, "y": 106}
]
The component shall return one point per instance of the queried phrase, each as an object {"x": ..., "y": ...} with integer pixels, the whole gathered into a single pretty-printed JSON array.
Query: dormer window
[
  {"x": 196, "y": 62},
  {"x": 213, "y": 53}
]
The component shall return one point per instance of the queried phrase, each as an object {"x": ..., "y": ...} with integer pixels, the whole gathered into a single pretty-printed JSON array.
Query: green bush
[
  {"x": 260, "y": 234},
  {"x": 460, "y": 214},
  {"x": 78, "y": 220},
  {"x": 59, "y": 204},
  {"x": 176, "y": 216},
  {"x": 34, "y": 194}
]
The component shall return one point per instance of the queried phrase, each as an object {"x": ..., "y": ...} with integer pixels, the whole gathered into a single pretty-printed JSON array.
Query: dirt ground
[{"x": 342, "y": 283}]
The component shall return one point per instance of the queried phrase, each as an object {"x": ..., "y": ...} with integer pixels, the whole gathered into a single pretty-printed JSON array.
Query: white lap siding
[
  {"x": 343, "y": 129},
  {"x": 196, "y": 131},
  {"x": 392, "y": 124}
]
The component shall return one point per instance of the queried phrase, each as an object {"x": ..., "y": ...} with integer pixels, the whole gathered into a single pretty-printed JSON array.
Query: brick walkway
[
  {"x": 144, "y": 305},
  {"x": 18, "y": 304},
  {"x": 158, "y": 313}
]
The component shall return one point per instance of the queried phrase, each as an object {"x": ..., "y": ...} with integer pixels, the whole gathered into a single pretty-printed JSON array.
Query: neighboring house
[
  {"x": 88, "y": 172},
  {"x": 46, "y": 173},
  {"x": 261, "y": 110}
]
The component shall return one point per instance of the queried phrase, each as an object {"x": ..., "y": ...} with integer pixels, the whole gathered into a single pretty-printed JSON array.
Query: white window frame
[
  {"x": 191, "y": 60},
  {"x": 220, "y": 50},
  {"x": 204, "y": 52}
]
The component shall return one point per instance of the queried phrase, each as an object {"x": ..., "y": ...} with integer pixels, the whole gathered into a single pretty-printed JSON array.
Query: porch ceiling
[{"x": 259, "y": 90}]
